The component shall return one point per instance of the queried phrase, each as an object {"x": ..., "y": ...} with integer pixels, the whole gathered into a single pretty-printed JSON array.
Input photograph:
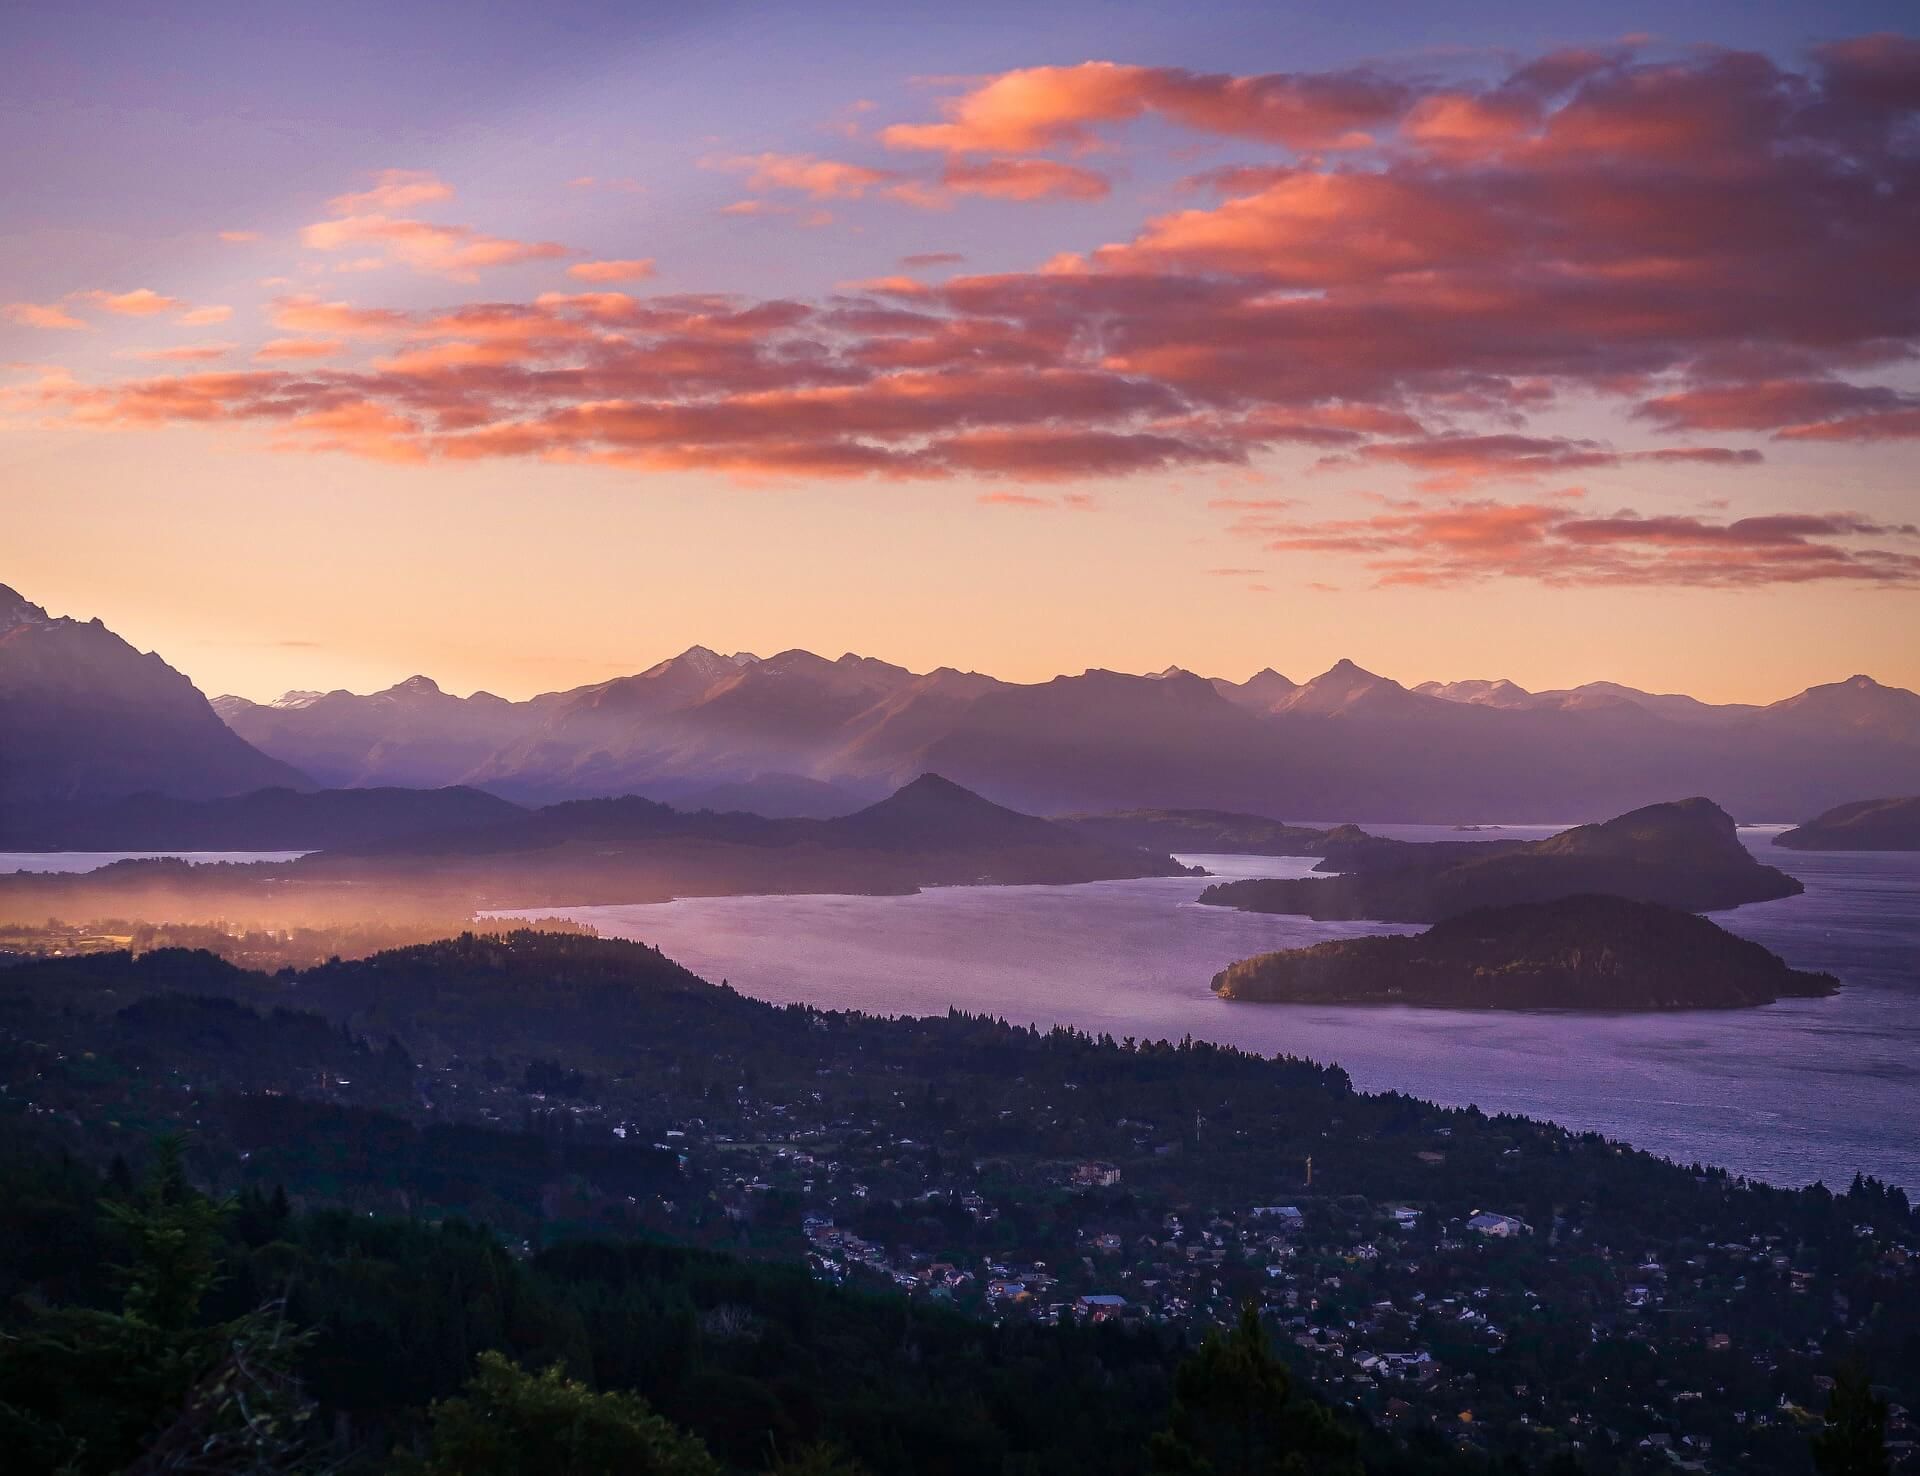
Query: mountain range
[
  {"x": 86, "y": 718},
  {"x": 1347, "y": 744}
]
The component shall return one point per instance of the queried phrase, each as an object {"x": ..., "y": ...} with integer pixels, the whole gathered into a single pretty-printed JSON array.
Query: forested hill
[
  {"x": 1684, "y": 854},
  {"x": 559, "y": 1088},
  {"x": 1574, "y": 953},
  {"x": 1863, "y": 825}
]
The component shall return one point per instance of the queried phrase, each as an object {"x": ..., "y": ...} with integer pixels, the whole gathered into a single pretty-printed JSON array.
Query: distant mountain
[
  {"x": 1861, "y": 825},
  {"x": 1573, "y": 953},
  {"x": 266, "y": 820},
  {"x": 1348, "y": 742},
  {"x": 85, "y": 717},
  {"x": 1683, "y": 854},
  {"x": 412, "y": 734}
]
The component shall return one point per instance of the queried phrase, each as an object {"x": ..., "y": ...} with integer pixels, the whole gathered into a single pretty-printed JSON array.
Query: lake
[{"x": 1792, "y": 1092}]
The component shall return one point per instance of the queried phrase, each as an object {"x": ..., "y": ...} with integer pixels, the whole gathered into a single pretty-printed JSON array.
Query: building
[{"x": 1501, "y": 1227}]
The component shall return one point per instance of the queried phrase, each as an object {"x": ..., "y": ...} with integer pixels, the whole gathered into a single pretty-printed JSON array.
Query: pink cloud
[
  {"x": 631, "y": 269},
  {"x": 1035, "y": 108},
  {"x": 141, "y": 302},
  {"x": 43, "y": 315},
  {"x": 393, "y": 189}
]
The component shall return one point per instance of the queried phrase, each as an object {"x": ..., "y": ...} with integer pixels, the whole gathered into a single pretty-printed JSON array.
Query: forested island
[
  {"x": 1574, "y": 953},
  {"x": 1862, "y": 825},
  {"x": 1685, "y": 854}
]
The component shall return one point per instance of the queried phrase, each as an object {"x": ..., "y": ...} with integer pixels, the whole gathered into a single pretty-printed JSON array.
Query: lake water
[
  {"x": 1799, "y": 1090},
  {"x": 69, "y": 862}
]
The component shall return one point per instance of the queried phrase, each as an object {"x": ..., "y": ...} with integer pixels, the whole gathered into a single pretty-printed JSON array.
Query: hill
[
  {"x": 1573, "y": 953},
  {"x": 84, "y": 717},
  {"x": 1863, "y": 825},
  {"x": 1683, "y": 853},
  {"x": 585, "y": 852},
  {"x": 277, "y": 819}
]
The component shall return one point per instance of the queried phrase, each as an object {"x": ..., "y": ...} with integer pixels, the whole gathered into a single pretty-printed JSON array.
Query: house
[
  {"x": 1101, "y": 1307},
  {"x": 1096, "y": 1175},
  {"x": 1288, "y": 1215},
  {"x": 1501, "y": 1227}
]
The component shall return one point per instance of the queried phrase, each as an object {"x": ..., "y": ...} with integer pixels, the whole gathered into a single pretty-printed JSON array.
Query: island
[
  {"x": 1682, "y": 853},
  {"x": 1860, "y": 825},
  {"x": 1573, "y": 953}
]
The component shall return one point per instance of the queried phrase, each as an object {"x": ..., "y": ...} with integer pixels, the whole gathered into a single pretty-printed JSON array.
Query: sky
[{"x": 522, "y": 345}]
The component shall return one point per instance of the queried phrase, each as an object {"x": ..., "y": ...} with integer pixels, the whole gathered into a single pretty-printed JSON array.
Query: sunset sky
[{"x": 523, "y": 345}]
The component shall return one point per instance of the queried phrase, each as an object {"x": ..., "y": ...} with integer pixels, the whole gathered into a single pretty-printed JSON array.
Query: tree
[
  {"x": 1235, "y": 1414},
  {"x": 510, "y": 1422},
  {"x": 151, "y": 1388},
  {"x": 1854, "y": 1442}
]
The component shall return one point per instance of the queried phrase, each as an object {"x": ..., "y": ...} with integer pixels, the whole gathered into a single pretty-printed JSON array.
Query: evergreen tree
[
  {"x": 1234, "y": 1414},
  {"x": 513, "y": 1423},
  {"x": 1854, "y": 1442}
]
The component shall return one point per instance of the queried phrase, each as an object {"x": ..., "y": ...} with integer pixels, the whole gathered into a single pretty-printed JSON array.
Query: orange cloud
[
  {"x": 1036, "y": 108},
  {"x": 306, "y": 314},
  {"x": 201, "y": 317},
  {"x": 1468, "y": 542},
  {"x": 633, "y": 269},
  {"x": 1025, "y": 179},
  {"x": 298, "y": 348},
  {"x": 141, "y": 302},
  {"x": 186, "y": 353},
  {"x": 43, "y": 315},
  {"x": 393, "y": 189},
  {"x": 807, "y": 174},
  {"x": 239, "y": 238},
  {"x": 459, "y": 252}
]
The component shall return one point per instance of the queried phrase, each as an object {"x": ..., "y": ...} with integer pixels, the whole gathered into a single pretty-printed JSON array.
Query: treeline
[{"x": 141, "y": 1316}]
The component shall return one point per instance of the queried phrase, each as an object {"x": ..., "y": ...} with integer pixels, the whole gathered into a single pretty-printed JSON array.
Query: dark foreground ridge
[
  {"x": 1684, "y": 854},
  {"x": 947, "y": 1246},
  {"x": 1863, "y": 825},
  {"x": 1574, "y": 953}
]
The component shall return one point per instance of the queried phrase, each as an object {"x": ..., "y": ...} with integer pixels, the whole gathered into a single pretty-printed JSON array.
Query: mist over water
[{"x": 1800, "y": 1090}]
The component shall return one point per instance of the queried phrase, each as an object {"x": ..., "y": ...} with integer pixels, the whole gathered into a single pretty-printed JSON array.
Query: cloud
[
  {"x": 185, "y": 353},
  {"x": 297, "y": 348},
  {"x": 1468, "y": 542},
  {"x": 1404, "y": 276},
  {"x": 43, "y": 315},
  {"x": 141, "y": 302},
  {"x": 306, "y": 314},
  {"x": 1792, "y": 409},
  {"x": 455, "y": 251},
  {"x": 394, "y": 189},
  {"x": 1037, "y": 108},
  {"x": 1025, "y": 179},
  {"x": 920, "y": 259},
  {"x": 201, "y": 317},
  {"x": 807, "y": 174},
  {"x": 239, "y": 238},
  {"x": 631, "y": 269}
]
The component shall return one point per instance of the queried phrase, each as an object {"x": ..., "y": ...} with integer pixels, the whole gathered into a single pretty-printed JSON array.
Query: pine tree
[
  {"x": 1854, "y": 1442},
  {"x": 1234, "y": 1414}
]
